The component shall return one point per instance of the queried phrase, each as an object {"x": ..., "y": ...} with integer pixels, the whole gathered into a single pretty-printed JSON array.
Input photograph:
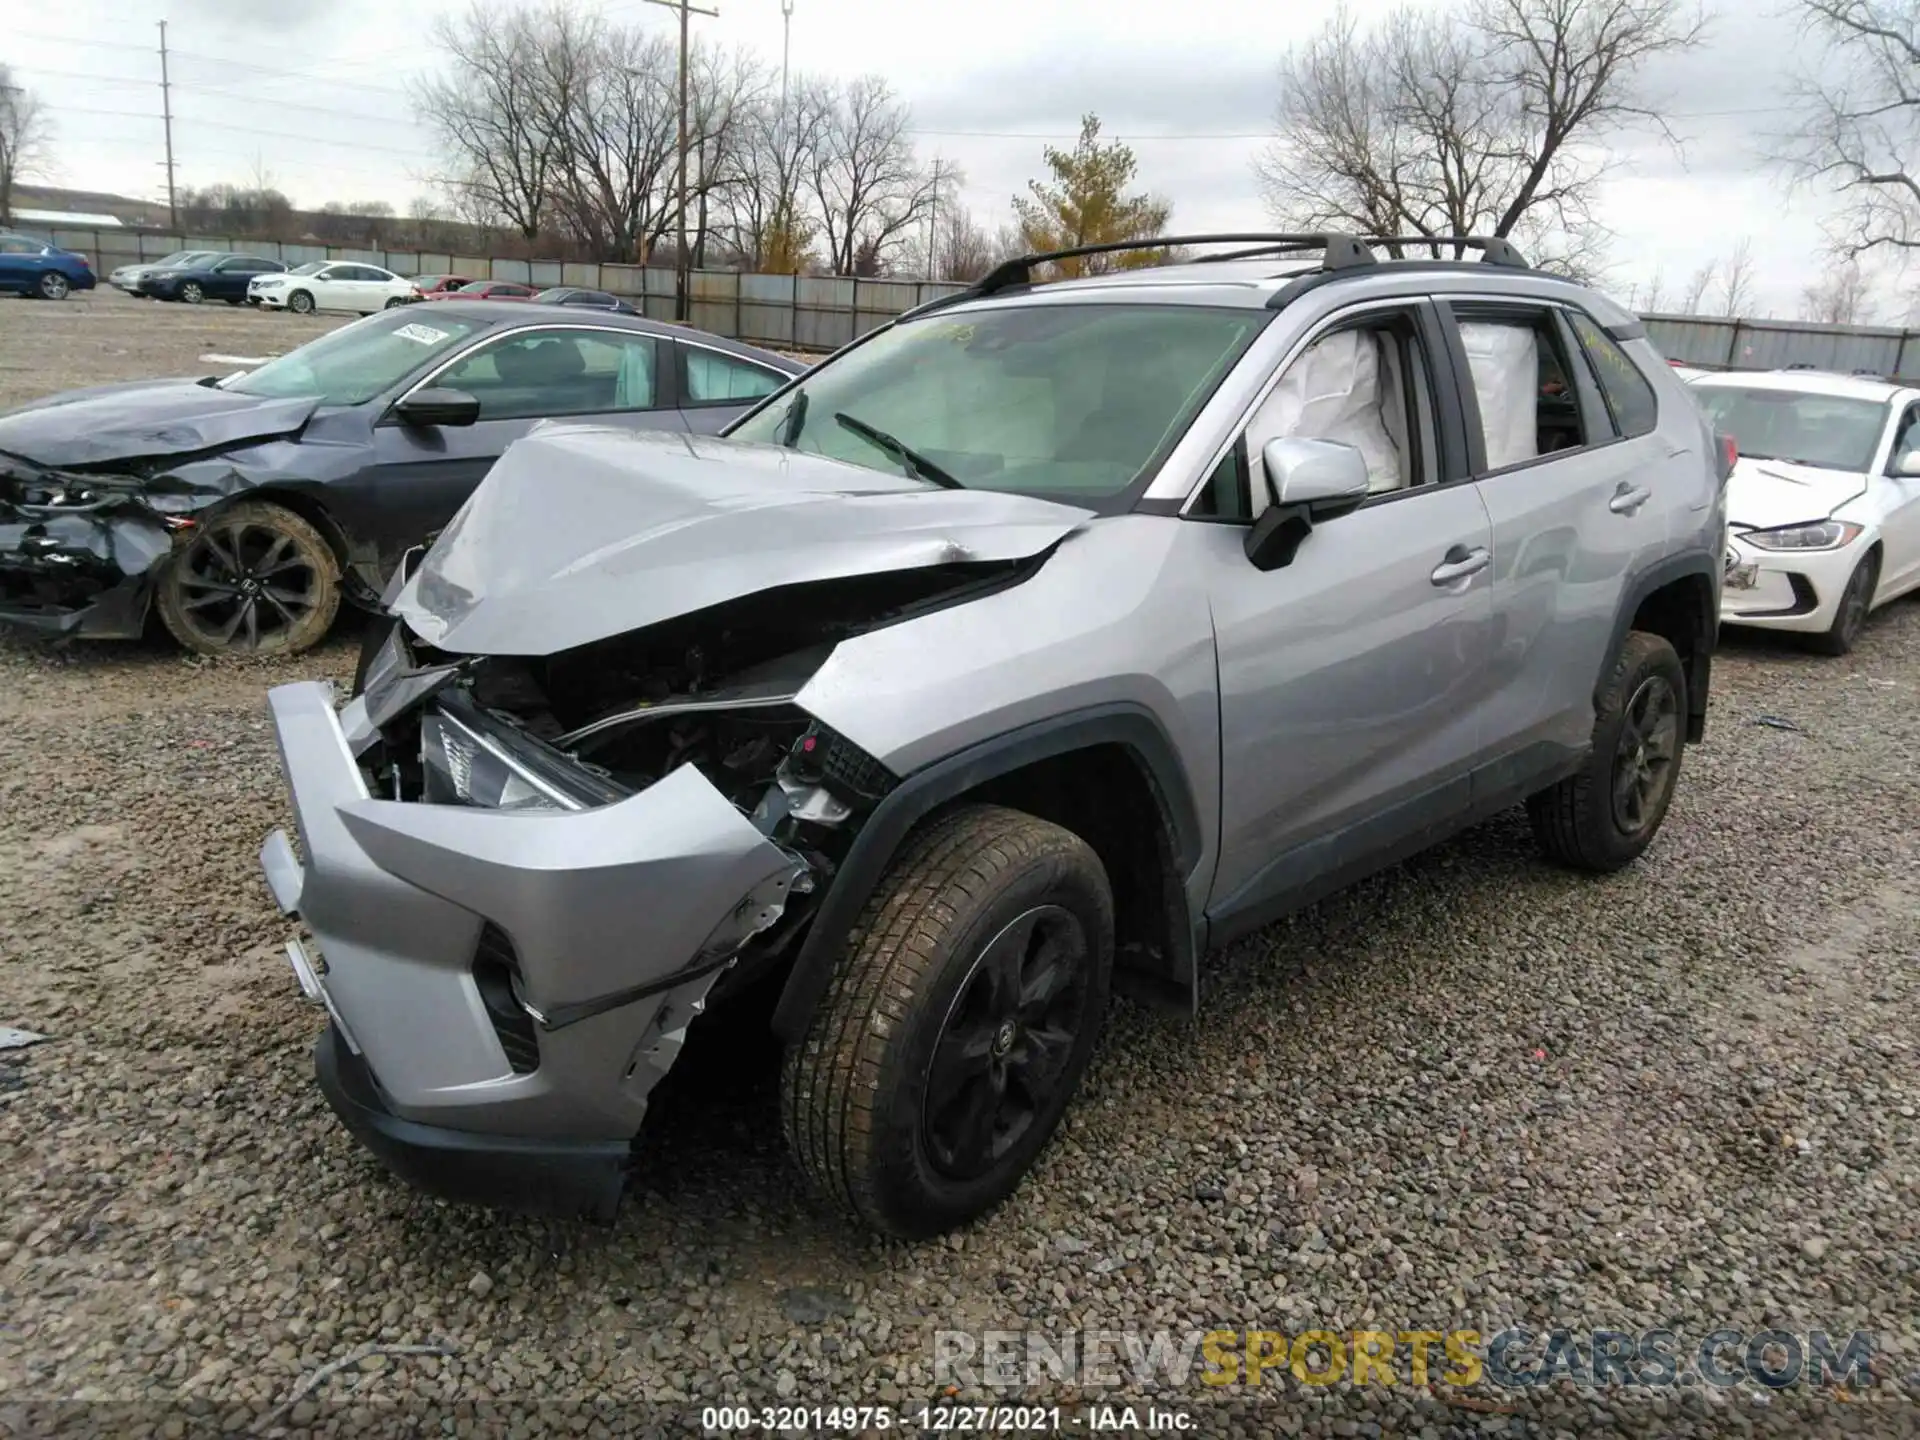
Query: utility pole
[
  {"x": 682, "y": 281},
  {"x": 786, "y": 50},
  {"x": 166, "y": 113},
  {"x": 933, "y": 227}
]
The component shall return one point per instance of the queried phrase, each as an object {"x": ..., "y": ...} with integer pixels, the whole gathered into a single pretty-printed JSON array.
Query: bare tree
[
  {"x": 1487, "y": 120},
  {"x": 1844, "y": 296},
  {"x": 768, "y": 203},
  {"x": 1654, "y": 299},
  {"x": 1858, "y": 125},
  {"x": 490, "y": 114},
  {"x": 25, "y": 134},
  {"x": 864, "y": 177},
  {"x": 1694, "y": 297},
  {"x": 1736, "y": 281}
]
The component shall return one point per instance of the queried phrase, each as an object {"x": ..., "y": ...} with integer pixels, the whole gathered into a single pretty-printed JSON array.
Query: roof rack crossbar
[{"x": 1495, "y": 249}]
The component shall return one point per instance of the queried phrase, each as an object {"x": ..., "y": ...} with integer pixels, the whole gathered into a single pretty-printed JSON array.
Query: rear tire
[
  {"x": 257, "y": 580},
  {"x": 300, "y": 303},
  {"x": 957, "y": 1025},
  {"x": 1603, "y": 817},
  {"x": 53, "y": 286},
  {"x": 1851, "y": 618},
  {"x": 395, "y": 303}
]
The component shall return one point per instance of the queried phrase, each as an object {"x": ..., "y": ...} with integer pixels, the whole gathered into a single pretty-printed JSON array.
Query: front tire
[
  {"x": 53, "y": 286},
  {"x": 300, "y": 303},
  {"x": 956, "y": 1027},
  {"x": 257, "y": 580},
  {"x": 1601, "y": 818},
  {"x": 191, "y": 293},
  {"x": 1851, "y": 618}
]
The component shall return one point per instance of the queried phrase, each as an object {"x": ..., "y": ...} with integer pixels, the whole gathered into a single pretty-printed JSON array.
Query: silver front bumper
[{"x": 596, "y": 903}]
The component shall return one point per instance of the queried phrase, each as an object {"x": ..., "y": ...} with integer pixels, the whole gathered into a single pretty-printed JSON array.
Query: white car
[
  {"x": 331, "y": 285},
  {"x": 128, "y": 277},
  {"x": 1823, "y": 509}
]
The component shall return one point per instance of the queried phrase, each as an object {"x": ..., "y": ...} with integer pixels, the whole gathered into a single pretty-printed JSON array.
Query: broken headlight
[{"x": 472, "y": 759}]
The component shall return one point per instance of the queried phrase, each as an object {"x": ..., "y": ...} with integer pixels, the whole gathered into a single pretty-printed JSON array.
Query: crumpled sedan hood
[
  {"x": 581, "y": 532},
  {"x": 1768, "y": 493},
  {"x": 107, "y": 423}
]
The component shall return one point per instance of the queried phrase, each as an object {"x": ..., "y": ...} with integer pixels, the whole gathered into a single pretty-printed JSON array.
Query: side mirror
[
  {"x": 435, "y": 406},
  {"x": 1307, "y": 481},
  {"x": 1906, "y": 465}
]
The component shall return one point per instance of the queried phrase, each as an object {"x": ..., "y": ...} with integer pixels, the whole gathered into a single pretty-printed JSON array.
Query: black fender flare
[
  {"x": 1704, "y": 566},
  {"x": 1131, "y": 726}
]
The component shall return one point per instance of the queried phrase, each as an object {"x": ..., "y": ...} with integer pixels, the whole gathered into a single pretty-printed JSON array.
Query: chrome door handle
[
  {"x": 1460, "y": 563},
  {"x": 1628, "y": 498}
]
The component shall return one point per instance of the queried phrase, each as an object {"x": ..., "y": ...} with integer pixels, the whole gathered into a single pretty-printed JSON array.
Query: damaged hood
[
  {"x": 1764, "y": 494},
  {"x": 580, "y": 533},
  {"x": 109, "y": 423}
]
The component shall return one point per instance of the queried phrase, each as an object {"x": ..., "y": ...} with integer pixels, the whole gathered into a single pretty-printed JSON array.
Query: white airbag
[
  {"x": 1505, "y": 361},
  {"x": 1333, "y": 392}
]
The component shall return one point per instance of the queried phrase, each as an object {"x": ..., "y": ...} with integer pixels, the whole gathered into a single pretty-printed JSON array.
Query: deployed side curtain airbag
[
  {"x": 1505, "y": 361},
  {"x": 1333, "y": 392}
]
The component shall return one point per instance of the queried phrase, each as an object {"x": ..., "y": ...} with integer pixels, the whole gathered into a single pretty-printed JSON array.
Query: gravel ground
[{"x": 1472, "y": 1093}]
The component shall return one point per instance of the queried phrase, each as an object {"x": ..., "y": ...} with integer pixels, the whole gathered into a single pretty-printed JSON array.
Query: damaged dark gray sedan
[{"x": 244, "y": 510}]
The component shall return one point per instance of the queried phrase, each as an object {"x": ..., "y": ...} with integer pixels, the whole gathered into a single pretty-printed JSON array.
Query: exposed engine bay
[{"x": 714, "y": 689}]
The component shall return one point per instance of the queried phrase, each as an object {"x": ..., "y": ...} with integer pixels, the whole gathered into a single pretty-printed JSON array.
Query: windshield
[
  {"x": 312, "y": 267},
  {"x": 179, "y": 257},
  {"x": 353, "y": 364},
  {"x": 1832, "y": 432},
  {"x": 1068, "y": 401}
]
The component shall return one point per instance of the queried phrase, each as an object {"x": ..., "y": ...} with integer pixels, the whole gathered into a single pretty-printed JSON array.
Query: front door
[
  {"x": 422, "y": 475},
  {"x": 1352, "y": 680}
]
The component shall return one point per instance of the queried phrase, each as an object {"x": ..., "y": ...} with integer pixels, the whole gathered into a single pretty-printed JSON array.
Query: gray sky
[{"x": 314, "y": 92}]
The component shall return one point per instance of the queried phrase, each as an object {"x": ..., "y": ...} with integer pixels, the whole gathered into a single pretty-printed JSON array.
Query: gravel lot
[{"x": 1472, "y": 1093}]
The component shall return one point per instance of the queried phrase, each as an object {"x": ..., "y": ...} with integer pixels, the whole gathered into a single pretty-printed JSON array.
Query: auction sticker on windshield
[{"x": 424, "y": 334}]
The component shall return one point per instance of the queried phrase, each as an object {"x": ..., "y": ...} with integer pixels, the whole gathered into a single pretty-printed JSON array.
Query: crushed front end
[
  {"x": 524, "y": 877},
  {"x": 78, "y": 550}
]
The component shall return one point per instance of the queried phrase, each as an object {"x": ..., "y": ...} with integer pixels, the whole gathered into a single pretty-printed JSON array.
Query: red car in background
[
  {"x": 429, "y": 285},
  {"x": 484, "y": 290}
]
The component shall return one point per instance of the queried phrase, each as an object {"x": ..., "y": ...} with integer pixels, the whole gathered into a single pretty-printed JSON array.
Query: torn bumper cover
[
  {"x": 83, "y": 569},
  {"x": 507, "y": 987}
]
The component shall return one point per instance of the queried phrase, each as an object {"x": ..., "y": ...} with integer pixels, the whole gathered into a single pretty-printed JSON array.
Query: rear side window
[
  {"x": 1629, "y": 397},
  {"x": 1524, "y": 392},
  {"x": 716, "y": 379}
]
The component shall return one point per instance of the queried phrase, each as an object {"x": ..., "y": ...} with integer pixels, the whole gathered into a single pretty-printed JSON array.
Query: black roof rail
[
  {"x": 1495, "y": 249},
  {"x": 1339, "y": 251}
]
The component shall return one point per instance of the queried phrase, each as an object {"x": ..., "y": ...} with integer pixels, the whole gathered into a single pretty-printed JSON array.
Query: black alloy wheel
[
  {"x": 1643, "y": 770},
  {"x": 1005, "y": 1048}
]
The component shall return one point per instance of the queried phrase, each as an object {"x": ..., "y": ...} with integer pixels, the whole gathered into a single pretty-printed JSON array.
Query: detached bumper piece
[{"x": 567, "y": 1179}]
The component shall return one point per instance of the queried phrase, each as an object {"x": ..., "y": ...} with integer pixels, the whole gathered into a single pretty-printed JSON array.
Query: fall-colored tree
[{"x": 1086, "y": 203}]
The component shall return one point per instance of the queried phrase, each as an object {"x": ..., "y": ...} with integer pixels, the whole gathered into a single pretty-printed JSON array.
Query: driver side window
[{"x": 1366, "y": 384}]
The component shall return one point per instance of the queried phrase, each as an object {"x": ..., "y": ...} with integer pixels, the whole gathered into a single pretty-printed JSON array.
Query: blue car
[{"x": 33, "y": 267}]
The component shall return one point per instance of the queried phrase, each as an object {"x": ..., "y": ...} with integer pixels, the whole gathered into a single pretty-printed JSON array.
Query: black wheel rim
[
  {"x": 1643, "y": 761},
  {"x": 1007, "y": 1042},
  {"x": 245, "y": 586}
]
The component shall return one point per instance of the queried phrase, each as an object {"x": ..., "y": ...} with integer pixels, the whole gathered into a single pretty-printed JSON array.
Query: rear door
[
  {"x": 19, "y": 262},
  {"x": 1576, "y": 507},
  {"x": 717, "y": 388}
]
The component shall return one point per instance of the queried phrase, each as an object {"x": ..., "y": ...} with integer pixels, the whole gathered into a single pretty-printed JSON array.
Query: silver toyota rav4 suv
[{"x": 1021, "y": 651}]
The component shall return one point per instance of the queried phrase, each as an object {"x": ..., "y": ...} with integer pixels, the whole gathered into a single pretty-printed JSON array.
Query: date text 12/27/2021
[{"x": 945, "y": 1419}]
